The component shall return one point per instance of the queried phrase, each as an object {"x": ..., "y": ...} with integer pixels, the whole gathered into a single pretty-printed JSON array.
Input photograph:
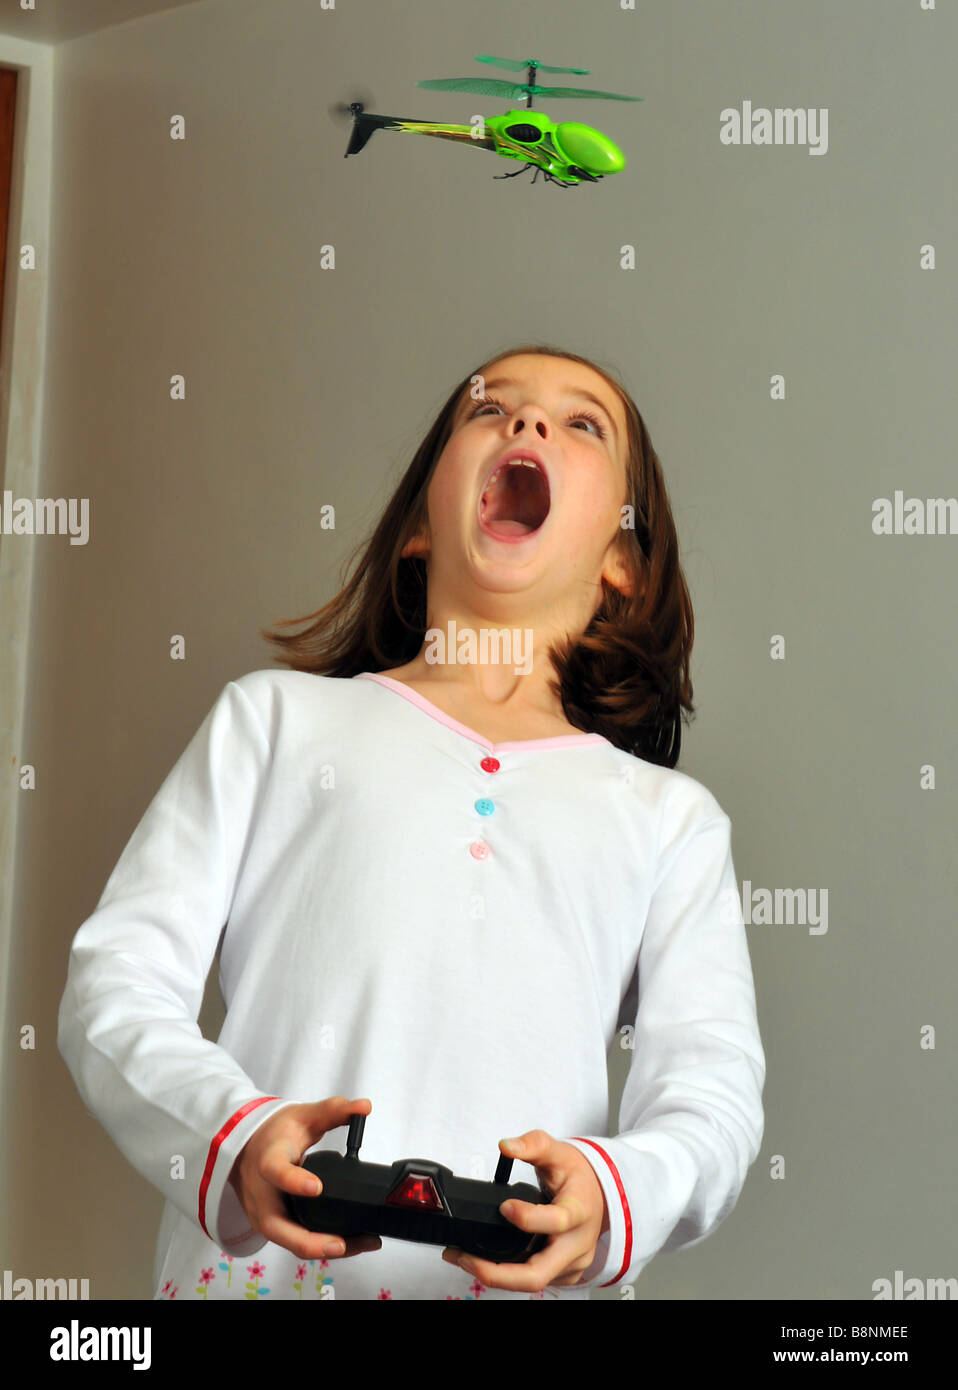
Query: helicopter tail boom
[{"x": 365, "y": 123}]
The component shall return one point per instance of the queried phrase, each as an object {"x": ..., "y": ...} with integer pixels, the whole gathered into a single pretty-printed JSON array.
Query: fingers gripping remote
[{"x": 415, "y": 1199}]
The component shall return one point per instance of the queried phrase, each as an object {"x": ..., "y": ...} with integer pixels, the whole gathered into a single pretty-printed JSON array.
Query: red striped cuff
[
  {"x": 626, "y": 1213},
  {"x": 218, "y": 1138}
]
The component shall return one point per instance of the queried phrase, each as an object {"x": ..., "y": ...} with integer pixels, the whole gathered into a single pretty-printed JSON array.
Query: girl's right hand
[{"x": 269, "y": 1164}]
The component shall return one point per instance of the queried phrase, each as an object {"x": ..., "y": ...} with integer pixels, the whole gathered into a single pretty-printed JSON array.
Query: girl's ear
[
  {"x": 618, "y": 571},
  {"x": 416, "y": 545}
]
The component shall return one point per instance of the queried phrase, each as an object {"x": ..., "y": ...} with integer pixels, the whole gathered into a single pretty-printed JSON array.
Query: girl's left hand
[{"x": 574, "y": 1219}]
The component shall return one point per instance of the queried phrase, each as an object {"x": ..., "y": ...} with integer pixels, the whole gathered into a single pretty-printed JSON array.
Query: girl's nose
[{"x": 535, "y": 419}]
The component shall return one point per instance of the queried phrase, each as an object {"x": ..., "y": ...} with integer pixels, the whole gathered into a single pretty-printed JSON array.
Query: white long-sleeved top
[{"x": 459, "y": 931}]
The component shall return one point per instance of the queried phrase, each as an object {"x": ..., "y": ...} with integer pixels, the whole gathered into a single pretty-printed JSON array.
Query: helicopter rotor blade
[
  {"x": 513, "y": 91},
  {"x": 484, "y": 86},
  {"x": 584, "y": 92},
  {"x": 517, "y": 65}
]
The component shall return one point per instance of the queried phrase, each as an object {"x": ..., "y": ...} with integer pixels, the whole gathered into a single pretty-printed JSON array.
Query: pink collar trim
[{"x": 516, "y": 745}]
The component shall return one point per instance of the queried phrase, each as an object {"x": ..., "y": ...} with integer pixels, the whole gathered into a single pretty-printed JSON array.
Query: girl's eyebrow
[{"x": 569, "y": 391}]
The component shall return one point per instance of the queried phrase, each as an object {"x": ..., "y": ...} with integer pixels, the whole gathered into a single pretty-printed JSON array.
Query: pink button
[
  {"x": 490, "y": 764},
  {"x": 479, "y": 849}
]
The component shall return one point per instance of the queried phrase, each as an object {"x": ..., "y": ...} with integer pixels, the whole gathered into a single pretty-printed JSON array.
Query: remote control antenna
[
  {"x": 503, "y": 1169},
  {"x": 355, "y": 1137}
]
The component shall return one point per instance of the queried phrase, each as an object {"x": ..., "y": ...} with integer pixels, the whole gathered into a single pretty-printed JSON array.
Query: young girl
[{"x": 453, "y": 875}]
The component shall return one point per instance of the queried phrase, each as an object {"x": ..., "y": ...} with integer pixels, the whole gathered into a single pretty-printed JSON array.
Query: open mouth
[{"x": 515, "y": 501}]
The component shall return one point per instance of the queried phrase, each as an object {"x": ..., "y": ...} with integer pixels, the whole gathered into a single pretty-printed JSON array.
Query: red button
[
  {"x": 479, "y": 849},
  {"x": 490, "y": 764}
]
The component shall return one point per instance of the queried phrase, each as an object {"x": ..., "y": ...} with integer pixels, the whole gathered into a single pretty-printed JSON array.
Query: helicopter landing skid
[{"x": 537, "y": 170}]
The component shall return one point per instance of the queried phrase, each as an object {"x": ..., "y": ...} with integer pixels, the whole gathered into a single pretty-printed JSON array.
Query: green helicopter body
[{"x": 566, "y": 152}]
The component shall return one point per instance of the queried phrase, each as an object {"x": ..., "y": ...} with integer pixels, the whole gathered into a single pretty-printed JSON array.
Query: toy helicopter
[{"x": 566, "y": 153}]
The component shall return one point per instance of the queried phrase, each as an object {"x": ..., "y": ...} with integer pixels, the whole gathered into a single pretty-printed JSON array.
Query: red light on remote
[{"x": 415, "y": 1190}]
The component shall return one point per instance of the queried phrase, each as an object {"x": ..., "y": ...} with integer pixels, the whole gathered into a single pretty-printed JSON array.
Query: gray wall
[{"x": 308, "y": 386}]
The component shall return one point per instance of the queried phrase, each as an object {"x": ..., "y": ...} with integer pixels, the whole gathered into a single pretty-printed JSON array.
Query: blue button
[{"x": 485, "y": 807}]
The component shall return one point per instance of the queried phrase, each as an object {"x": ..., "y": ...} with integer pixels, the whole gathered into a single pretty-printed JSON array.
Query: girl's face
[{"x": 549, "y": 533}]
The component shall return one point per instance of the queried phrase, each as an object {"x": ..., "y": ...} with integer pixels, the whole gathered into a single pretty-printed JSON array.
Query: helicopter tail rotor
[
  {"x": 363, "y": 122},
  {"x": 342, "y": 112}
]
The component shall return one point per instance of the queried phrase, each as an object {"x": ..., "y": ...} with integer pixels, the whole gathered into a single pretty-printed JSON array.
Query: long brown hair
[{"x": 625, "y": 677}]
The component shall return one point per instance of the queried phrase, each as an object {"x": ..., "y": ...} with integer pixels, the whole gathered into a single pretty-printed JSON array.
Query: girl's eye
[{"x": 488, "y": 401}]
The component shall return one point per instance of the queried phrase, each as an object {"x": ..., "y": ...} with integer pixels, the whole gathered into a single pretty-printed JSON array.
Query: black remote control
[{"x": 416, "y": 1199}]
